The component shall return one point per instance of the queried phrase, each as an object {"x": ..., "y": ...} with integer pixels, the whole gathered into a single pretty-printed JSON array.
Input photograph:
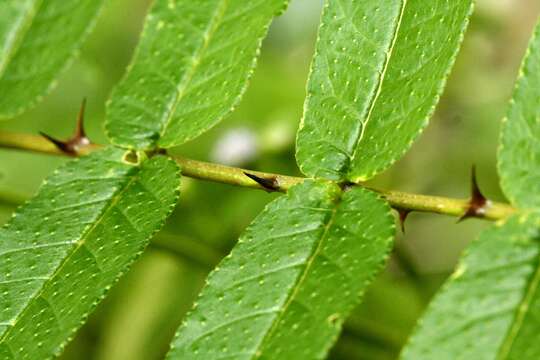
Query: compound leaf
[
  {"x": 519, "y": 151},
  {"x": 295, "y": 274},
  {"x": 61, "y": 251},
  {"x": 490, "y": 307},
  {"x": 38, "y": 38},
  {"x": 377, "y": 74},
  {"x": 191, "y": 68}
]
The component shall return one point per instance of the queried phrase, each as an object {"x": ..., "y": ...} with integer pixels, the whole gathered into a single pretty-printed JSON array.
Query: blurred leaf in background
[{"x": 138, "y": 319}]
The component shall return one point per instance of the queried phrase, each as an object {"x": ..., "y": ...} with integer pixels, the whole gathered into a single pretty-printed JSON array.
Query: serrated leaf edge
[
  {"x": 346, "y": 175},
  {"x": 459, "y": 272},
  {"x": 337, "y": 200},
  {"x": 430, "y": 113},
  {"x": 69, "y": 61},
  {"x": 79, "y": 243},
  {"x": 504, "y": 122},
  {"x": 178, "y": 96}
]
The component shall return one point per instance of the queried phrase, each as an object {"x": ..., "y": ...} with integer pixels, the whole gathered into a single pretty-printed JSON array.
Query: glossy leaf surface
[
  {"x": 62, "y": 250},
  {"x": 490, "y": 307},
  {"x": 14, "y": 17},
  {"x": 519, "y": 152},
  {"x": 190, "y": 69},
  {"x": 377, "y": 74},
  {"x": 38, "y": 38},
  {"x": 292, "y": 279}
]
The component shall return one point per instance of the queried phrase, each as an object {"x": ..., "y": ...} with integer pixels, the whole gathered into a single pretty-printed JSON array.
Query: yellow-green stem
[{"x": 236, "y": 176}]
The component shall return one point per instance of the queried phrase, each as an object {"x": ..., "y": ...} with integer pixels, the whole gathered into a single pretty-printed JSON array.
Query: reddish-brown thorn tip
[
  {"x": 477, "y": 202},
  {"x": 270, "y": 184},
  {"x": 403, "y": 213},
  {"x": 79, "y": 130},
  {"x": 77, "y": 141}
]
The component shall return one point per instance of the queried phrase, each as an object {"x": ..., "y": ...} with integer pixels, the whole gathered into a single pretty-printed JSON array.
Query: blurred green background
[{"x": 138, "y": 318}]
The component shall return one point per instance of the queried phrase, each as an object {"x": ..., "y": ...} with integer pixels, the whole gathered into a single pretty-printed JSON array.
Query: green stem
[
  {"x": 231, "y": 175},
  {"x": 35, "y": 143},
  {"x": 236, "y": 176}
]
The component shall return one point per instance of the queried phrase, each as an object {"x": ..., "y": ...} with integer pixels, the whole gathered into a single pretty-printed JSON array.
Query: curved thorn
[
  {"x": 403, "y": 213},
  {"x": 79, "y": 130},
  {"x": 61, "y": 145},
  {"x": 477, "y": 202},
  {"x": 269, "y": 184},
  {"x": 78, "y": 140}
]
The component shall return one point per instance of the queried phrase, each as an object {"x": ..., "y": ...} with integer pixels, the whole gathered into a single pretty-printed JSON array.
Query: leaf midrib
[
  {"x": 216, "y": 18},
  {"x": 15, "y": 43},
  {"x": 523, "y": 308},
  {"x": 359, "y": 133},
  {"x": 114, "y": 200},
  {"x": 300, "y": 280}
]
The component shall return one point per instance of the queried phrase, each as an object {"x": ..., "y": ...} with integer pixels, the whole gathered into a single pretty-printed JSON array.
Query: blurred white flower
[{"x": 235, "y": 147}]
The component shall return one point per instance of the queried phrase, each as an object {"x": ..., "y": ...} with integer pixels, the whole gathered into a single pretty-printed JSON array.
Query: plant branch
[{"x": 237, "y": 176}]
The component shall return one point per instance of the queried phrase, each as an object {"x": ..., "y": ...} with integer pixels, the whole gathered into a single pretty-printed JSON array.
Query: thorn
[
  {"x": 403, "y": 213},
  {"x": 78, "y": 140},
  {"x": 269, "y": 184},
  {"x": 79, "y": 130},
  {"x": 61, "y": 145},
  {"x": 477, "y": 202}
]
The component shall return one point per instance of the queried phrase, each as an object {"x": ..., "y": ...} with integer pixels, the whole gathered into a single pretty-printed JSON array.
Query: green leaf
[
  {"x": 378, "y": 71},
  {"x": 490, "y": 307},
  {"x": 190, "y": 70},
  {"x": 61, "y": 251},
  {"x": 294, "y": 276},
  {"x": 38, "y": 38},
  {"x": 519, "y": 151},
  {"x": 14, "y": 18}
]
